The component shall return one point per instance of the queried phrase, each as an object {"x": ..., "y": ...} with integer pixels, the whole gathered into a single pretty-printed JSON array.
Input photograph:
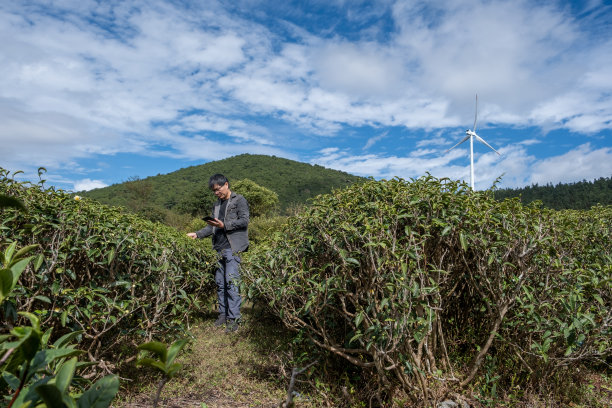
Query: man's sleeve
[{"x": 205, "y": 232}]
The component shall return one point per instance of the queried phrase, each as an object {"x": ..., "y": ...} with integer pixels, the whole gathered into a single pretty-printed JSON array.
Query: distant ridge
[
  {"x": 294, "y": 182},
  {"x": 576, "y": 196}
]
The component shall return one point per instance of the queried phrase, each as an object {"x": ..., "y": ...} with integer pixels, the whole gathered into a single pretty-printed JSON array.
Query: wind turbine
[{"x": 471, "y": 134}]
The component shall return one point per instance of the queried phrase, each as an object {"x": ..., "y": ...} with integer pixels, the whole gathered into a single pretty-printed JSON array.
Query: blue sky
[{"x": 100, "y": 91}]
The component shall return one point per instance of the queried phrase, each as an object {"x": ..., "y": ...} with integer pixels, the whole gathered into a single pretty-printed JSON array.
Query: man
[{"x": 229, "y": 229}]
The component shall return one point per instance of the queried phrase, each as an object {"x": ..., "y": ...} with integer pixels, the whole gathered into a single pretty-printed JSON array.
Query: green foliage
[
  {"x": 164, "y": 361},
  {"x": 139, "y": 193},
  {"x": 13, "y": 264},
  {"x": 419, "y": 283},
  {"x": 186, "y": 190},
  {"x": 108, "y": 273},
  {"x": 577, "y": 196},
  {"x": 261, "y": 228},
  {"x": 165, "y": 356},
  {"x": 34, "y": 373},
  {"x": 262, "y": 201}
]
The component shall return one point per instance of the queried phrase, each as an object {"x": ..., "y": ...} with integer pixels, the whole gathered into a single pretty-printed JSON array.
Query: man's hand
[
  {"x": 192, "y": 235},
  {"x": 215, "y": 222}
]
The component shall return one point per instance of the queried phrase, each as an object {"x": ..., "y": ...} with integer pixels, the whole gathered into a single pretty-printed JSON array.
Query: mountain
[
  {"x": 181, "y": 190},
  {"x": 577, "y": 196}
]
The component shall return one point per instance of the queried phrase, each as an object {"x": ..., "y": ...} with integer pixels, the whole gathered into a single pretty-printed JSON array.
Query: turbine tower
[{"x": 471, "y": 134}]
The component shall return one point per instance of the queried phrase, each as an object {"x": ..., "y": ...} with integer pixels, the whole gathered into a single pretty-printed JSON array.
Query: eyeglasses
[{"x": 218, "y": 188}]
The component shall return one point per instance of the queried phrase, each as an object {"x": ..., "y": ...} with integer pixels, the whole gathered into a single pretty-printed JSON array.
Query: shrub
[
  {"x": 262, "y": 201},
  {"x": 115, "y": 276},
  {"x": 261, "y": 228},
  {"x": 418, "y": 283}
]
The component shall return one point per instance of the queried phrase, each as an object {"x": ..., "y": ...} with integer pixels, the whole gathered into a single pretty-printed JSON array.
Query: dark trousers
[{"x": 227, "y": 278}]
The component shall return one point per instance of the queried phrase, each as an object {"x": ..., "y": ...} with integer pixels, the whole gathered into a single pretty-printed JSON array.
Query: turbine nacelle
[{"x": 471, "y": 135}]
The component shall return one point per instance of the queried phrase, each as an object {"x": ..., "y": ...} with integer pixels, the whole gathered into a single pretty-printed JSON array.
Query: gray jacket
[{"x": 236, "y": 222}]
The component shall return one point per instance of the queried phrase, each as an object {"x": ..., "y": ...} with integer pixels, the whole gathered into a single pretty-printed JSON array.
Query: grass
[
  {"x": 252, "y": 368},
  {"x": 248, "y": 368}
]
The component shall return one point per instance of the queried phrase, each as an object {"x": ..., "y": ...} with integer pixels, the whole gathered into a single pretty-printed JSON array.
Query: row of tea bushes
[
  {"x": 118, "y": 278},
  {"x": 426, "y": 286}
]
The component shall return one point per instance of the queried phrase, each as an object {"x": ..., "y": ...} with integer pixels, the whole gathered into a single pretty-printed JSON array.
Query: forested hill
[
  {"x": 184, "y": 189},
  {"x": 579, "y": 196}
]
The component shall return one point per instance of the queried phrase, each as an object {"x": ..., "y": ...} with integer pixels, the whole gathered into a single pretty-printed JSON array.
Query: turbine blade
[
  {"x": 475, "y": 114},
  {"x": 464, "y": 139},
  {"x": 488, "y": 145}
]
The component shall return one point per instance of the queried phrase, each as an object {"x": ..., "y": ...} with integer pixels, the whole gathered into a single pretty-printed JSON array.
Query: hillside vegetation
[
  {"x": 424, "y": 288},
  {"x": 576, "y": 196},
  {"x": 97, "y": 275},
  {"x": 186, "y": 190},
  {"x": 384, "y": 293}
]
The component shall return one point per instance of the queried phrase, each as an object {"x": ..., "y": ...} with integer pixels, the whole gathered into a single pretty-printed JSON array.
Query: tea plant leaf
[
  {"x": 100, "y": 394},
  {"x": 6, "y": 283},
  {"x": 157, "y": 348},
  {"x": 174, "y": 349},
  {"x": 51, "y": 395},
  {"x": 46, "y": 356},
  {"x": 64, "y": 374},
  {"x": 150, "y": 362}
]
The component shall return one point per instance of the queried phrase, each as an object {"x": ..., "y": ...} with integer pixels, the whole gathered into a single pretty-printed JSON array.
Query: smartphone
[{"x": 208, "y": 218}]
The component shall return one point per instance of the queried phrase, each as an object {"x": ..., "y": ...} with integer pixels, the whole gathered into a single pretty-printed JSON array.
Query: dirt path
[{"x": 223, "y": 370}]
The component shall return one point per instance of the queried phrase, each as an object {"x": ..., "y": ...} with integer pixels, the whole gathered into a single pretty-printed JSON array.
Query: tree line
[{"x": 576, "y": 196}]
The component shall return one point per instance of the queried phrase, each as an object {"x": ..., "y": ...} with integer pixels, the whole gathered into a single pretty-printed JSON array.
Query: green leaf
[
  {"x": 45, "y": 337},
  {"x": 66, "y": 338},
  {"x": 25, "y": 250},
  {"x": 6, "y": 283},
  {"x": 174, "y": 349},
  {"x": 353, "y": 261},
  {"x": 64, "y": 374},
  {"x": 157, "y": 348},
  {"x": 150, "y": 362},
  {"x": 11, "y": 380},
  {"x": 46, "y": 356},
  {"x": 34, "y": 320},
  {"x": 384, "y": 303},
  {"x": 598, "y": 298},
  {"x": 51, "y": 395},
  {"x": 463, "y": 241},
  {"x": 18, "y": 265},
  {"x": 101, "y": 394},
  {"x": 359, "y": 318},
  {"x": 173, "y": 369},
  {"x": 38, "y": 262},
  {"x": 8, "y": 253},
  {"x": 28, "y": 341},
  {"x": 110, "y": 256},
  {"x": 355, "y": 337}
]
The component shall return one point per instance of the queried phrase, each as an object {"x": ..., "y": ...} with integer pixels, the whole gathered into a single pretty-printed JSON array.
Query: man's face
[{"x": 221, "y": 192}]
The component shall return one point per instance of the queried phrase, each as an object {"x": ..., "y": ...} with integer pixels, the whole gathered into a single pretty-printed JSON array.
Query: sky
[{"x": 98, "y": 92}]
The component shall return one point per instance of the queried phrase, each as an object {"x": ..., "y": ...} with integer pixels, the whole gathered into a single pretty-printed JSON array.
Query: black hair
[{"x": 217, "y": 180}]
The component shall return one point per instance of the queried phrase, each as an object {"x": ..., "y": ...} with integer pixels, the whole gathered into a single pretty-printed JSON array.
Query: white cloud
[
  {"x": 79, "y": 78},
  {"x": 88, "y": 184},
  {"x": 375, "y": 139},
  {"x": 515, "y": 166},
  {"x": 582, "y": 163}
]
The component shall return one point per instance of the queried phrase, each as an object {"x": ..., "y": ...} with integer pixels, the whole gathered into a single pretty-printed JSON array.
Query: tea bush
[
  {"x": 118, "y": 278},
  {"x": 35, "y": 373},
  {"x": 421, "y": 284}
]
